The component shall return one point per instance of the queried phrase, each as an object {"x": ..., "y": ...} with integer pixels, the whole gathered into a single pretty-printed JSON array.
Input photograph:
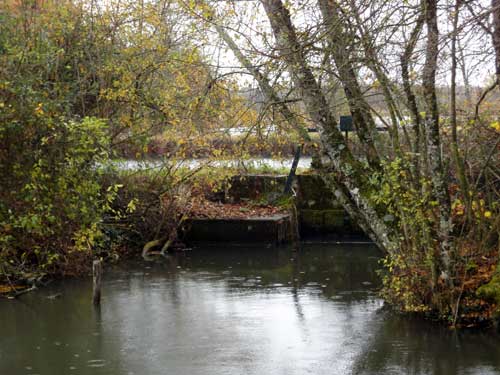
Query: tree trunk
[
  {"x": 360, "y": 110},
  {"x": 410, "y": 96},
  {"x": 439, "y": 179},
  {"x": 351, "y": 174},
  {"x": 495, "y": 5},
  {"x": 264, "y": 84},
  {"x": 457, "y": 158}
]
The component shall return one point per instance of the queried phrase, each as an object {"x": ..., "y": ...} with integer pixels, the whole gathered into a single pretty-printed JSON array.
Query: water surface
[
  {"x": 252, "y": 163},
  {"x": 234, "y": 311}
]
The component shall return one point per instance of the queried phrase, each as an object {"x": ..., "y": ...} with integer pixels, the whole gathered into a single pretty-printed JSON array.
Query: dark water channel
[{"x": 234, "y": 311}]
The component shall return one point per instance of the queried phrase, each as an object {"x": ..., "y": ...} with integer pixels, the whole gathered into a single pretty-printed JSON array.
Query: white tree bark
[
  {"x": 439, "y": 178},
  {"x": 350, "y": 172}
]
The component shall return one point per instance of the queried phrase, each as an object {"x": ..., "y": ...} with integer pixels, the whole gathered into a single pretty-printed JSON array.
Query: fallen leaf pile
[{"x": 205, "y": 209}]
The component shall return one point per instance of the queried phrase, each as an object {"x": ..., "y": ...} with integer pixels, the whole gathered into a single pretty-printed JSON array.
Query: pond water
[
  {"x": 234, "y": 311},
  {"x": 254, "y": 163}
]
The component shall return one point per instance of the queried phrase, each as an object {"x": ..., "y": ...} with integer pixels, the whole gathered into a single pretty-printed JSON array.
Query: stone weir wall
[{"x": 319, "y": 212}]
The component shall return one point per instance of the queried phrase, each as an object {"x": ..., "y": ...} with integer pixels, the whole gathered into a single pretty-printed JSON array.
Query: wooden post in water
[
  {"x": 295, "y": 163},
  {"x": 288, "y": 189},
  {"x": 97, "y": 278}
]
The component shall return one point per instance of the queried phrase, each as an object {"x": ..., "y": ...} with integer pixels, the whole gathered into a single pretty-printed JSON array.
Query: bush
[{"x": 51, "y": 204}]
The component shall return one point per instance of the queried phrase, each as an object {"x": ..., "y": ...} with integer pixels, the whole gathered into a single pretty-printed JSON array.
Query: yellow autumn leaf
[{"x": 495, "y": 125}]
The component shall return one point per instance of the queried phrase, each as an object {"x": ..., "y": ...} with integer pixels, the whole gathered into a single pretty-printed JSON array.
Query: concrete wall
[
  {"x": 319, "y": 212},
  {"x": 273, "y": 230}
]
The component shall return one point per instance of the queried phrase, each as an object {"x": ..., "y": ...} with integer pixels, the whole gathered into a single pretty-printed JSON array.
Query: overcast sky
[{"x": 251, "y": 24}]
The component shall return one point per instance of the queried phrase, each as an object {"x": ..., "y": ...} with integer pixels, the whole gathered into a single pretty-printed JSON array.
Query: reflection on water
[{"x": 234, "y": 311}]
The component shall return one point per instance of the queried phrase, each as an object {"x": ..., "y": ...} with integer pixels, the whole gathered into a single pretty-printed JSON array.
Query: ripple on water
[
  {"x": 236, "y": 279},
  {"x": 96, "y": 363},
  {"x": 312, "y": 283},
  {"x": 248, "y": 284}
]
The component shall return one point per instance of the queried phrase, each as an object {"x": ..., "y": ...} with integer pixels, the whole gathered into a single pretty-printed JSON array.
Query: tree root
[{"x": 147, "y": 251}]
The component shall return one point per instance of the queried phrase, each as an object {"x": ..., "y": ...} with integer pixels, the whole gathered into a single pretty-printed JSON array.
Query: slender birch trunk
[
  {"x": 264, "y": 84},
  {"x": 457, "y": 158},
  {"x": 438, "y": 175},
  {"x": 410, "y": 95},
  {"x": 495, "y": 7},
  {"x": 351, "y": 174},
  {"x": 339, "y": 48}
]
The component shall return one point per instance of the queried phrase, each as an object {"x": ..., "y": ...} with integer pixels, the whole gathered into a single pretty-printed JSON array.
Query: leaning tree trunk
[
  {"x": 271, "y": 96},
  {"x": 339, "y": 40},
  {"x": 264, "y": 84},
  {"x": 350, "y": 174}
]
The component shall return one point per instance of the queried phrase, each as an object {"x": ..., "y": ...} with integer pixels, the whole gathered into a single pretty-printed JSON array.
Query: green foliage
[
  {"x": 410, "y": 277},
  {"x": 491, "y": 290},
  {"x": 403, "y": 287},
  {"x": 410, "y": 210},
  {"x": 50, "y": 199},
  {"x": 408, "y": 205},
  {"x": 51, "y": 202},
  {"x": 63, "y": 67}
]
